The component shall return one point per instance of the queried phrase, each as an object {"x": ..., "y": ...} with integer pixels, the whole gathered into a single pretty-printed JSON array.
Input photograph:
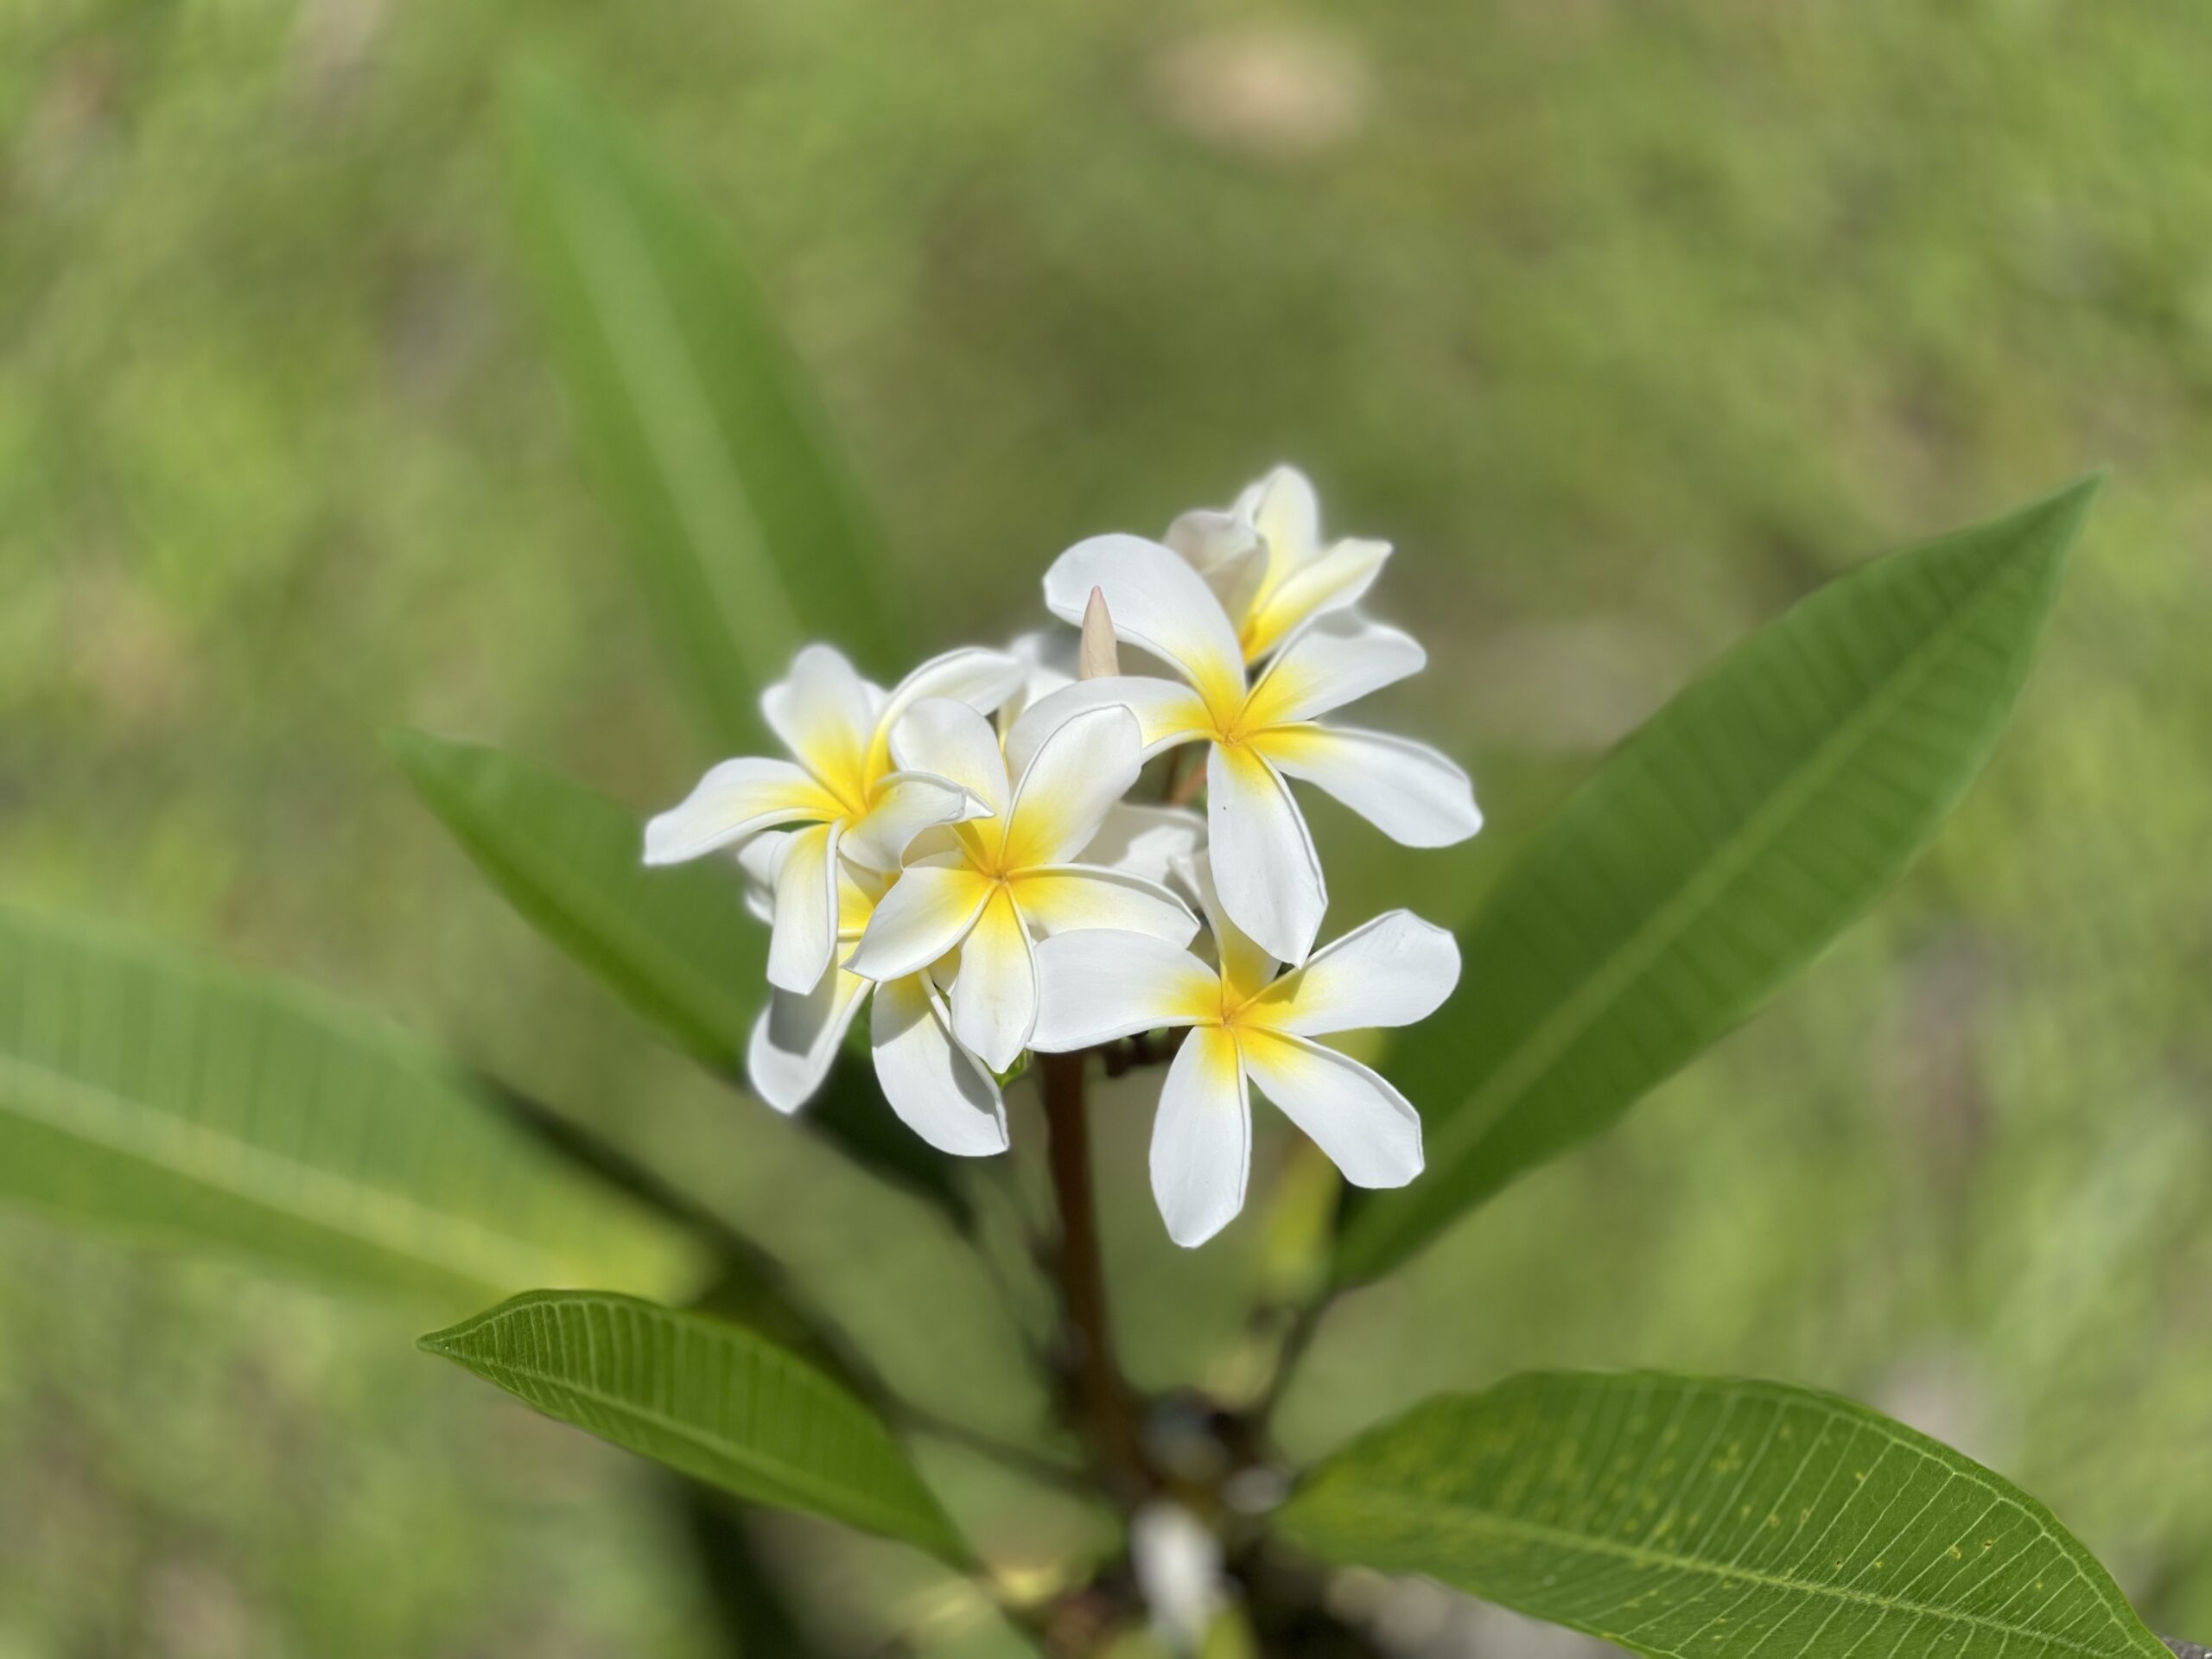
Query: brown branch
[
  {"x": 1183, "y": 787},
  {"x": 1109, "y": 1416}
]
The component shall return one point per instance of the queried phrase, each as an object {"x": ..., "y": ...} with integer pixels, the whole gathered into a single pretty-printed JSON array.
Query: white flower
[
  {"x": 1249, "y": 1026},
  {"x": 942, "y": 1093},
  {"x": 1177, "y": 1563},
  {"x": 1270, "y": 878},
  {"x": 985, "y": 885},
  {"x": 842, "y": 783},
  {"x": 1263, "y": 558}
]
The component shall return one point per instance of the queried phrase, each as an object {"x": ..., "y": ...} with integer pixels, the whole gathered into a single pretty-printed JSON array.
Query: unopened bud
[{"x": 1096, "y": 658}]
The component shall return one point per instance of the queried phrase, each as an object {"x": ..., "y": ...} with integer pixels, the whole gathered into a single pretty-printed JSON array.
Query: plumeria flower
[
  {"x": 1264, "y": 559},
  {"x": 842, "y": 783},
  {"x": 1250, "y": 1024},
  {"x": 984, "y": 885},
  {"x": 1270, "y": 877},
  {"x": 940, "y": 1092}
]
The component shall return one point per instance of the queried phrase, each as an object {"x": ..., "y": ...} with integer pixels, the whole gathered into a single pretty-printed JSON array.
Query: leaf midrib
[
  {"x": 834, "y": 1499},
  {"x": 494, "y": 1259},
  {"x": 1537, "y": 1053},
  {"x": 1397, "y": 1505}
]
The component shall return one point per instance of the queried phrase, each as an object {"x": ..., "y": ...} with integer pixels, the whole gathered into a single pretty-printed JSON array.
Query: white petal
[
  {"x": 1077, "y": 774},
  {"x": 1158, "y": 602},
  {"x": 762, "y": 857},
  {"x": 1393, "y": 972},
  {"x": 1048, "y": 662},
  {"x": 1094, "y": 986},
  {"x": 1411, "y": 793},
  {"x": 906, "y": 803},
  {"x": 1207, "y": 538},
  {"x": 982, "y": 679},
  {"x": 1288, "y": 513},
  {"x": 858, "y": 889},
  {"x": 805, "y": 933},
  {"x": 1263, "y": 859},
  {"x": 1167, "y": 713},
  {"x": 1332, "y": 582},
  {"x": 1369, "y": 1129},
  {"x": 1145, "y": 841},
  {"x": 939, "y": 1092},
  {"x": 794, "y": 1039},
  {"x": 948, "y": 738},
  {"x": 1337, "y": 660},
  {"x": 757, "y": 859},
  {"x": 994, "y": 992},
  {"x": 1224, "y": 549},
  {"x": 1246, "y": 970},
  {"x": 824, "y": 712},
  {"x": 736, "y": 800},
  {"x": 1070, "y": 898},
  {"x": 1201, "y": 1138},
  {"x": 927, "y": 911}
]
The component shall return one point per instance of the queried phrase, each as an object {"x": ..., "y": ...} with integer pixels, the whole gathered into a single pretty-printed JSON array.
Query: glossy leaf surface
[{"x": 1684, "y": 1517}]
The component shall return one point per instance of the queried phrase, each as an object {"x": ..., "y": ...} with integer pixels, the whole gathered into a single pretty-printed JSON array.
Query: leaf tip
[{"x": 2066, "y": 508}]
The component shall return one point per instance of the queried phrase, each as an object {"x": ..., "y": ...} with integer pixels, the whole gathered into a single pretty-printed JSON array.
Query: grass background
[{"x": 1627, "y": 324}]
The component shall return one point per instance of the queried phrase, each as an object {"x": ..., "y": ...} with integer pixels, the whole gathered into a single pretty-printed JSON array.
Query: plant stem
[
  {"x": 1103, "y": 1397},
  {"x": 1304, "y": 1322},
  {"x": 1183, "y": 787}
]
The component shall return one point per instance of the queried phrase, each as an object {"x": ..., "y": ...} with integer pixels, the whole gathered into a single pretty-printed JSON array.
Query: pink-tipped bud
[{"x": 1096, "y": 658}]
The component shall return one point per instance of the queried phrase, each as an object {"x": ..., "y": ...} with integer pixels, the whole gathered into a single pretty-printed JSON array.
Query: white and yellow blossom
[
  {"x": 939, "y": 1090},
  {"x": 1258, "y": 732},
  {"x": 841, "y": 782},
  {"x": 986, "y": 886},
  {"x": 983, "y": 887},
  {"x": 1264, "y": 559},
  {"x": 1250, "y": 1024}
]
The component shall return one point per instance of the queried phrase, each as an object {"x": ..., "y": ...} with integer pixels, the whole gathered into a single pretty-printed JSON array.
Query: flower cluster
[{"x": 960, "y": 851}]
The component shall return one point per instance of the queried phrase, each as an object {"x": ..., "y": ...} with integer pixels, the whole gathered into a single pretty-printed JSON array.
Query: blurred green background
[{"x": 1627, "y": 324}]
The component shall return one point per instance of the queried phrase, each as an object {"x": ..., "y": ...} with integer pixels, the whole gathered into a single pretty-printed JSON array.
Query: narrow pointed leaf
[
  {"x": 718, "y": 1403},
  {"x": 1684, "y": 1516},
  {"x": 674, "y": 942},
  {"x": 166, "y": 1097},
  {"x": 743, "y": 522},
  {"x": 1713, "y": 854}
]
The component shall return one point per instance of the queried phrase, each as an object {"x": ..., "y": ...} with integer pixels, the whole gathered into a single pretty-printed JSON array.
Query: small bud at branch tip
[{"x": 1097, "y": 659}]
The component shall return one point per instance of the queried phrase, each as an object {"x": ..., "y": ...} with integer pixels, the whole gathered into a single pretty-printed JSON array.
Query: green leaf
[
  {"x": 745, "y": 528},
  {"x": 718, "y": 1403},
  {"x": 192, "y": 1103},
  {"x": 674, "y": 942},
  {"x": 1691, "y": 1516},
  {"x": 1713, "y": 854}
]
